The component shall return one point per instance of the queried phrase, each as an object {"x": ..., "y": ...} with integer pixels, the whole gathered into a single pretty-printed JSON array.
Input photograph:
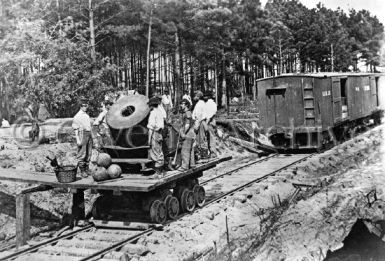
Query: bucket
[{"x": 66, "y": 174}]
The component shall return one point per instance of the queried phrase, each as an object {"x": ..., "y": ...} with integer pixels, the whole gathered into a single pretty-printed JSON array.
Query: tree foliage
[{"x": 45, "y": 46}]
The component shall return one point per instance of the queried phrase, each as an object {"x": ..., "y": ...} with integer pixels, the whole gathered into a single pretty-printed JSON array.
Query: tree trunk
[
  {"x": 280, "y": 57},
  {"x": 192, "y": 77},
  {"x": 224, "y": 87},
  {"x": 92, "y": 31},
  {"x": 148, "y": 55},
  {"x": 177, "y": 69},
  {"x": 216, "y": 80}
]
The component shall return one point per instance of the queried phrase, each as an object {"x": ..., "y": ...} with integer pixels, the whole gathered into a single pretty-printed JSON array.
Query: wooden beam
[
  {"x": 77, "y": 209},
  {"x": 125, "y": 224},
  {"x": 37, "y": 188},
  {"x": 23, "y": 219}
]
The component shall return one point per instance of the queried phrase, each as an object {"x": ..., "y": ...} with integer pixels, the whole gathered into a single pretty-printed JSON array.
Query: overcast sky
[{"x": 375, "y": 7}]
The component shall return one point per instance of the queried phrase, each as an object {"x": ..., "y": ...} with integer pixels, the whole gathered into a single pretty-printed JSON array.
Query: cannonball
[
  {"x": 104, "y": 160},
  {"x": 114, "y": 171},
  {"x": 100, "y": 174}
]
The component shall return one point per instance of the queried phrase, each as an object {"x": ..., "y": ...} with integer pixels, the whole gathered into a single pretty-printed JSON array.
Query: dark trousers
[
  {"x": 211, "y": 143},
  {"x": 84, "y": 151}
]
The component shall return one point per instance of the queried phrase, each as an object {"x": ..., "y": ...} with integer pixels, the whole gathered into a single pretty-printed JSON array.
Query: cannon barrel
[{"x": 127, "y": 120}]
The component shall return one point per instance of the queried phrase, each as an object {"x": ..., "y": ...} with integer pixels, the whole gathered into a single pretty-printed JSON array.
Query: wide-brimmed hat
[
  {"x": 185, "y": 101},
  {"x": 208, "y": 94},
  {"x": 199, "y": 94},
  {"x": 83, "y": 101},
  {"x": 153, "y": 101},
  {"x": 108, "y": 102}
]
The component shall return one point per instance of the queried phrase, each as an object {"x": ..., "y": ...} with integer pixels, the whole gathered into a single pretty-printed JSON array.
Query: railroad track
[{"x": 92, "y": 243}]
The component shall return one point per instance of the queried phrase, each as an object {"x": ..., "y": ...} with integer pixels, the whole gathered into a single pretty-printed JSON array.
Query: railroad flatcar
[
  {"x": 137, "y": 196},
  {"x": 309, "y": 111}
]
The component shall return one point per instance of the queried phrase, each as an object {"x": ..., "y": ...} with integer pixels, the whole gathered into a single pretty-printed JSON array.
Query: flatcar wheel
[
  {"x": 199, "y": 195},
  {"x": 158, "y": 212},
  {"x": 187, "y": 200},
  {"x": 172, "y": 207}
]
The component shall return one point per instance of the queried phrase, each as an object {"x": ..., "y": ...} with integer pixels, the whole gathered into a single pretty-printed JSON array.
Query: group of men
[{"x": 196, "y": 132}]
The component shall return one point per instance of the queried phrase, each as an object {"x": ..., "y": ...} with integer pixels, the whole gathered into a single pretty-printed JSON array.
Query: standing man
[
  {"x": 133, "y": 91},
  {"x": 167, "y": 102},
  {"x": 187, "y": 134},
  {"x": 82, "y": 126},
  {"x": 209, "y": 122},
  {"x": 5, "y": 124},
  {"x": 187, "y": 97},
  {"x": 155, "y": 127},
  {"x": 103, "y": 131},
  {"x": 32, "y": 111},
  {"x": 198, "y": 116}
]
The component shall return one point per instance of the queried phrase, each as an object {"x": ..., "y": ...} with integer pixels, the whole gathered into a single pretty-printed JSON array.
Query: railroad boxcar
[{"x": 309, "y": 111}]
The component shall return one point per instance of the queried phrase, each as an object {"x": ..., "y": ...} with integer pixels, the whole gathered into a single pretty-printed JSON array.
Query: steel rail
[
  {"x": 237, "y": 169},
  {"x": 47, "y": 242},
  {"x": 103, "y": 252},
  {"x": 117, "y": 245},
  {"x": 257, "y": 180}
]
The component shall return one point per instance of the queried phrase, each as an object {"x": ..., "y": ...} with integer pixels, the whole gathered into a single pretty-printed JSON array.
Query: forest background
[{"x": 53, "y": 52}]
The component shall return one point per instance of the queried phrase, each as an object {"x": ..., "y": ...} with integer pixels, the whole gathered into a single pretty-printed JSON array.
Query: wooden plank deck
[{"x": 128, "y": 182}]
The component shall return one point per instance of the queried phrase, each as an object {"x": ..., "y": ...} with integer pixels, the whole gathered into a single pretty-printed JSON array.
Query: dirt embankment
[{"x": 341, "y": 183}]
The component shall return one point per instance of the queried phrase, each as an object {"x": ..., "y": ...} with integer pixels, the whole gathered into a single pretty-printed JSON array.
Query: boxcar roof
[{"x": 322, "y": 75}]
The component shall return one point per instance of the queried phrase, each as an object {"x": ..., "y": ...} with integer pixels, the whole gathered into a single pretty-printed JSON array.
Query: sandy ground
[
  {"x": 249, "y": 225},
  {"x": 320, "y": 218},
  {"x": 316, "y": 221}
]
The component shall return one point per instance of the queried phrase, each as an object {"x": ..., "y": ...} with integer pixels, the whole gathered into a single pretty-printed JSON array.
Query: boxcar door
[
  {"x": 373, "y": 94},
  {"x": 336, "y": 96}
]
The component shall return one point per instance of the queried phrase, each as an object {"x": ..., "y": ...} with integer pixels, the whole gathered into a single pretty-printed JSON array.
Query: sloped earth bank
[
  {"x": 319, "y": 219},
  {"x": 50, "y": 209}
]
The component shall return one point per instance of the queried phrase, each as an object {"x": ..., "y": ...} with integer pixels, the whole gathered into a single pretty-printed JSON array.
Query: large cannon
[{"x": 127, "y": 120}]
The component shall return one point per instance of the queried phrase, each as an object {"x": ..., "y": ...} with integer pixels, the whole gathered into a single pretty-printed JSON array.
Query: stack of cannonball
[{"x": 104, "y": 169}]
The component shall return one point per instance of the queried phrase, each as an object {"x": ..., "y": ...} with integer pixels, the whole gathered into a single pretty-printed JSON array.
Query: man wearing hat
[
  {"x": 209, "y": 122},
  {"x": 82, "y": 126},
  {"x": 187, "y": 134},
  {"x": 187, "y": 96},
  {"x": 167, "y": 102},
  {"x": 155, "y": 127},
  {"x": 198, "y": 116},
  {"x": 103, "y": 131}
]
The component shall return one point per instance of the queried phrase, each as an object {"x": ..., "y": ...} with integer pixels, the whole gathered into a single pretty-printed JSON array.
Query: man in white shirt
[
  {"x": 155, "y": 127},
  {"x": 209, "y": 122},
  {"x": 198, "y": 116},
  {"x": 186, "y": 96},
  {"x": 167, "y": 102},
  {"x": 103, "y": 130},
  {"x": 133, "y": 92},
  {"x": 5, "y": 124},
  {"x": 82, "y": 126}
]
